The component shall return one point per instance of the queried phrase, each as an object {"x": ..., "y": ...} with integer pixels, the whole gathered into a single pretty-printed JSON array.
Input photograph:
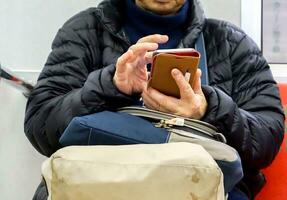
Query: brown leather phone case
[{"x": 161, "y": 78}]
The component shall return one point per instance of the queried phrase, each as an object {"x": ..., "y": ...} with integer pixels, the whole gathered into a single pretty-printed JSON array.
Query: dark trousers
[
  {"x": 41, "y": 192},
  {"x": 236, "y": 194}
]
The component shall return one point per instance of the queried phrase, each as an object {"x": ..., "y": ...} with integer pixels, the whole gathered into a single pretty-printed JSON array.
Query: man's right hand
[{"x": 131, "y": 74}]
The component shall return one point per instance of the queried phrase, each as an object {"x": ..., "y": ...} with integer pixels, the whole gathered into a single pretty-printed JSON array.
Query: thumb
[
  {"x": 183, "y": 86},
  {"x": 197, "y": 82}
]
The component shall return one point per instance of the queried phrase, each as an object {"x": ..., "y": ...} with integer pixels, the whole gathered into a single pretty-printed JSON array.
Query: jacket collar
[
  {"x": 196, "y": 24},
  {"x": 111, "y": 13}
]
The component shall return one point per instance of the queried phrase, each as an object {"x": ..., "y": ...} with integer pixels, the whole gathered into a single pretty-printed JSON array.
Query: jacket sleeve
[
  {"x": 70, "y": 85},
  {"x": 251, "y": 117}
]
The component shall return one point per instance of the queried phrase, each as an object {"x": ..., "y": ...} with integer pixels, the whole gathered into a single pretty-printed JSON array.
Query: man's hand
[
  {"x": 192, "y": 102},
  {"x": 131, "y": 73}
]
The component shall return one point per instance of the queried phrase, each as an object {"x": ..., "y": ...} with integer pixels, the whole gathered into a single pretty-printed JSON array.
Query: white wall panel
[
  {"x": 229, "y": 10},
  {"x": 28, "y": 27}
]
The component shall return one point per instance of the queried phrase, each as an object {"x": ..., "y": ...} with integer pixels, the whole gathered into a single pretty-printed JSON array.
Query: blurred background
[{"x": 27, "y": 29}]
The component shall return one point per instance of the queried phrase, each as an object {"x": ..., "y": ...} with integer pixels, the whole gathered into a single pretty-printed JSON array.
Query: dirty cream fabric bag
[{"x": 173, "y": 171}]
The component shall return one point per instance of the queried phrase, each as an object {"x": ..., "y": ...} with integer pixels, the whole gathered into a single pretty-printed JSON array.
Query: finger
[
  {"x": 148, "y": 74},
  {"x": 122, "y": 60},
  {"x": 143, "y": 50},
  {"x": 156, "y": 38},
  {"x": 140, "y": 48},
  {"x": 184, "y": 86},
  {"x": 197, "y": 82},
  {"x": 148, "y": 57}
]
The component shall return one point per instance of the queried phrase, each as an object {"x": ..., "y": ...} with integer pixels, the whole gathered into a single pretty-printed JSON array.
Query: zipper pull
[
  {"x": 175, "y": 121},
  {"x": 170, "y": 122},
  {"x": 161, "y": 124}
]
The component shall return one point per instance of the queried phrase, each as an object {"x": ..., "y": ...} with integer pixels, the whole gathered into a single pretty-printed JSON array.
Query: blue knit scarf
[{"x": 140, "y": 23}]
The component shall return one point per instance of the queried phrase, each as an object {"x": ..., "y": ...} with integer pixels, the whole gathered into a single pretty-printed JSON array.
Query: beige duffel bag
[{"x": 173, "y": 171}]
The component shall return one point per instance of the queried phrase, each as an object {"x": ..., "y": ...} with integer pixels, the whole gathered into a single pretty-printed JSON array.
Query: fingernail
[
  {"x": 175, "y": 72},
  {"x": 200, "y": 73}
]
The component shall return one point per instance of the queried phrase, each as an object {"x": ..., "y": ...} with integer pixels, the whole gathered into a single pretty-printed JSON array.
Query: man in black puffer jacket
[{"x": 98, "y": 62}]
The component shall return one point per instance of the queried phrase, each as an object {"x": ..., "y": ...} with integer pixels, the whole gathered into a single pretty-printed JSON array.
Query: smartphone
[{"x": 185, "y": 60}]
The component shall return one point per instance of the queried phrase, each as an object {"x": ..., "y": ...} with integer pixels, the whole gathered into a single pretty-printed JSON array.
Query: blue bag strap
[{"x": 200, "y": 46}]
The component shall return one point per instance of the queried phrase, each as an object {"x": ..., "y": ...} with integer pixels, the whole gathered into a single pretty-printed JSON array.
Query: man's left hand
[{"x": 191, "y": 104}]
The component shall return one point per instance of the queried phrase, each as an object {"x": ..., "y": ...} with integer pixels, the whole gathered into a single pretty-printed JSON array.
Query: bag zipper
[{"x": 169, "y": 120}]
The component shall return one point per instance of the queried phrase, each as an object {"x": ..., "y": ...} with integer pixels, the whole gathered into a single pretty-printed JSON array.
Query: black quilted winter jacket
[{"x": 243, "y": 99}]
